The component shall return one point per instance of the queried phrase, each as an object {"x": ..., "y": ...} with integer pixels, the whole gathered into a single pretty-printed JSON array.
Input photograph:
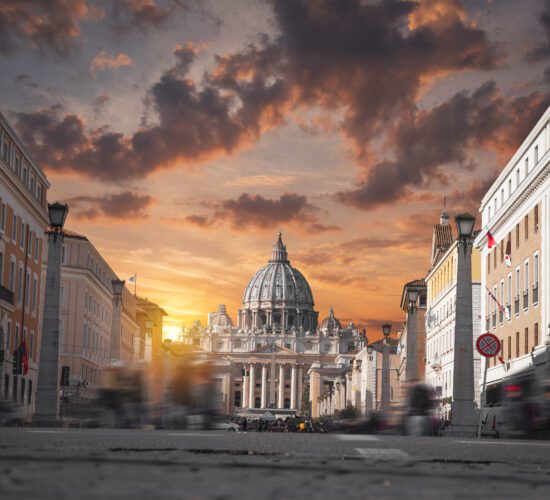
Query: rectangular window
[
  {"x": 20, "y": 285},
  {"x": 12, "y": 275},
  {"x": 517, "y": 178},
  {"x": 29, "y": 243},
  {"x": 14, "y": 229},
  {"x": 517, "y": 235},
  {"x": 3, "y": 218},
  {"x": 526, "y": 227},
  {"x": 526, "y": 166},
  {"x": 536, "y": 337},
  {"x": 22, "y": 236},
  {"x": 536, "y": 217},
  {"x": 536, "y": 154},
  {"x": 495, "y": 257},
  {"x": 509, "y": 187},
  {"x": 518, "y": 282},
  {"x": 502, "y": 197},
  {"x": 509, "y": 289},
  {"x": 526, "y": 342},
  {"x": 34, "y": 291},
  {"x": 526, "y": 278},
  {"x": 536, "y": 270},
  {"x": 29, "y": 393},
  {"x": 509, "y": 347},
  {"x": 36, "y": 241},
  {"x": 31, "y": 346},
  {"x": 8, "y": 337},
  {"x": 28, "y": 288},
  {"x": 517, "y": 344},
  {"x": 509, "y": 245},
  {"x": 489, "y": 264}
]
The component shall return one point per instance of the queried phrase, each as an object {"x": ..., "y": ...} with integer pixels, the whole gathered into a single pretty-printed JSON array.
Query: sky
[{"x": 185, "y": 134}]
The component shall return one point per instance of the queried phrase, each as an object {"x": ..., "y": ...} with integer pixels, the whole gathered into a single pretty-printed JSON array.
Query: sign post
[{"x": 488, "y": 345}]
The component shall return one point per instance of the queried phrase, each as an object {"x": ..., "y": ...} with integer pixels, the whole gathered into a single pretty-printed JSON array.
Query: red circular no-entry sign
[{"x": 488, "y": 345}]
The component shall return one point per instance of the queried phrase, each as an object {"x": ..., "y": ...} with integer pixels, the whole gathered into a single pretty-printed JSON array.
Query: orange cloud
[{"x": 104, "y": 61}]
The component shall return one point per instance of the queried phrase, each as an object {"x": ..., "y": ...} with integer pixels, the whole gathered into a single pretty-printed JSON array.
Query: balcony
[
  {"x": 525, "y": 299},
  {"x": 516, "y": 305},
  {"x": 436, "y": 363},
  {"x": 6, "y": 295},
  {"x": 535, "y": 293}
]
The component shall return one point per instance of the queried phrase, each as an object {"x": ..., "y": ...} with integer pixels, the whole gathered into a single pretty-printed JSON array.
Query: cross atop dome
[{"x": 279, "y": 251}]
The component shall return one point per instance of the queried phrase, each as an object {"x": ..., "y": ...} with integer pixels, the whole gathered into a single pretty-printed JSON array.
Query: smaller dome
[
  {"x": 331, "y": 322},
  {"x": 220, "y": 319}
]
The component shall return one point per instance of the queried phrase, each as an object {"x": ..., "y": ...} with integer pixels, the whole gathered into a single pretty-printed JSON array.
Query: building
[
  {"x": 276, "y": 341},
  {"x": 86, "y": 310},
  {"x": 441, "y": 283},
  {"x": 23, "y": 222},
  {"x": 516, "y": 212}
]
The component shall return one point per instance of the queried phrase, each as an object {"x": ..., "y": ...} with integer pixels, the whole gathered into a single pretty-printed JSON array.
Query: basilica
[{"x": 262, "y": 362}]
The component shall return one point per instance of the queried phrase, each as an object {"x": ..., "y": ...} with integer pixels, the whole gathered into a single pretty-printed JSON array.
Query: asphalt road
[{"x": 121, "y": 464}]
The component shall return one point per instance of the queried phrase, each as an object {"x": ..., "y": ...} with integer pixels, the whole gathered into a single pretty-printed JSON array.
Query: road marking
[
  {"x": 196, "y": 434},
  {"x": 45, "y": 432},
  {"x": 510, "y": 443},
  {"x": 356, "y": 437},
  {"x": 383, "y": 454}
]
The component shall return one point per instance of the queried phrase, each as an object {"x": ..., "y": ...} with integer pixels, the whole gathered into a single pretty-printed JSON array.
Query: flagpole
[{"x": 135, "y": 283}]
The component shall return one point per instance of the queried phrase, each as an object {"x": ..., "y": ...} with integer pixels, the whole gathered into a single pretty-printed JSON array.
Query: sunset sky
[{"x": 185, "y": 134}]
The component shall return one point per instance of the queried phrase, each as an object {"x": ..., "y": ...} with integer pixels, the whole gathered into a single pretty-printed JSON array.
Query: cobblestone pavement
[{"x": 120, "y": 464}]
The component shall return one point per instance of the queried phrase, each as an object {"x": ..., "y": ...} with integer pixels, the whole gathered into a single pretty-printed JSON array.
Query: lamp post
[
  {"x": 47, "y": 392},
  {"x": 411, "y": 367},
  {"x": 118, "y": 286},
  {"x": 462, "y": 406},
  {"x": 386, "y": 393}
]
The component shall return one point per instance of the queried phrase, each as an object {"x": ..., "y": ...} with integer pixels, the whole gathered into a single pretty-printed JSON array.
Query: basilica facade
[{"x": 262, "y": 362}]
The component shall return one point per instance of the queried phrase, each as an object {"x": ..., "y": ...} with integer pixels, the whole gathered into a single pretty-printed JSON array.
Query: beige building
[
  {"x": 87, "y": 316},
  {"x": 516, "y": 211},
  {"x": 23, "y": 221}
]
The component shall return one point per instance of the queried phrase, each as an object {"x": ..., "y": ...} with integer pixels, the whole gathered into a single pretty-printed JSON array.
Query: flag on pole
[
  {"x": 490, "y": 240},
  {"x": 501, "y": 308},
  {"x": 132, "y": 279},
  {"x": 508, "y": 254}
]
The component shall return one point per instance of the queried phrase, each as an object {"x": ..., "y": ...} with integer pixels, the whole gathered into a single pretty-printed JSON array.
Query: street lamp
[
  {"x": 465, "y": 225},
  {"x": 47, "y": 392},
  {"x": 412, "y": 295},
  {"x": 57, "y": 213},
  {"x": 386, "y": 329}
]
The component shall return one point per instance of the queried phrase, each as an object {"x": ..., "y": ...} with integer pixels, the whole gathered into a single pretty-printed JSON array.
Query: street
[{"x": 119, "y": 464}]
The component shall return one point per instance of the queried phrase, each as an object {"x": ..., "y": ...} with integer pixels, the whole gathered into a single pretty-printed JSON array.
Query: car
[{"x": 225, "y": 425}]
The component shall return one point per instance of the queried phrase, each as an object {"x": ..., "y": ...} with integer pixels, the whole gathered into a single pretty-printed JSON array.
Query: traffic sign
[{"x": 488, "y": 345}]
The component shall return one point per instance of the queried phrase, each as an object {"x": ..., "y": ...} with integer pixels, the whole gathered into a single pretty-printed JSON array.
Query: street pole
[
  {"x": 462, "y": 406},
  {"x": 386, "y": 395},
  {"x": 482, "y": 398},
  {"x": 47, "y": 393}
]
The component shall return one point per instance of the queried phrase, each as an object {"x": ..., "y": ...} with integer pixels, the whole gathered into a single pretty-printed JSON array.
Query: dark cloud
[
  {"x": 48, "y": 26},
  {"x": 255, "y": 211},
  {"x": 542, "y": 49},
  {"x": 432, "y": 139},
  {"x": 124, "y": 206}
]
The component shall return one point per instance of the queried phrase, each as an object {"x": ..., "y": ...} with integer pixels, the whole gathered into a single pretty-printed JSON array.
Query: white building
[
  {"x": 275, "y": 343},
  {"x": 441, "y": 284},
  {"x": 516, "y": 211}
]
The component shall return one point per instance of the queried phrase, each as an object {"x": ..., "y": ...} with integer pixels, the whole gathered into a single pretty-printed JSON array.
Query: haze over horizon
[{"x": 186, "y": 134}]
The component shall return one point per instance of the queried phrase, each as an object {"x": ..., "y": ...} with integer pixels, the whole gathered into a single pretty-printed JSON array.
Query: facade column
[
  {"x": 293, "y": 387},
  {"x": 252, "y": 388},
  {"x": 299, "y": 387},
  {"x": 246, "y": 388},
  {"x": 264, "y": 387},
  {"x": 281, "y": 386}
]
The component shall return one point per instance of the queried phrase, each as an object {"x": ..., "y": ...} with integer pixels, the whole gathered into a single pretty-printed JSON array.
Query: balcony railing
[
  {"x": 535, "y": 293},
  {"x": 525, "y": 299},
  {"x": 6, "y": 295},
  {"x": 516, "y": 305}
]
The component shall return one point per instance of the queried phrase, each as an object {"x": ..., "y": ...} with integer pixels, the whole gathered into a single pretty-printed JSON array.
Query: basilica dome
[
  {"x": 278, "y": 281},
  {"x": 331, "y": 322},
  {"x": 278, "y": 296}
]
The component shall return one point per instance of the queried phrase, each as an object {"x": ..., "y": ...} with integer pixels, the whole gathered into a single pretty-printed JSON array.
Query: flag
[
  {"x": 132, "y": 279},
  {"x": 508, "y": 260},
  {"x": 490, "y": 240},
  {"x": 500, "y": 308},
  {"x": 508, "y": 254}
]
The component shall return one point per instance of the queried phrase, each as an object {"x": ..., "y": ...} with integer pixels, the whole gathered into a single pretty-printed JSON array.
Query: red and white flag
[{"x": 490, "y": 240}]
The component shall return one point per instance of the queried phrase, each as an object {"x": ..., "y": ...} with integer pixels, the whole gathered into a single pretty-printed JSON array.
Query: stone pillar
[
  {"x": 463, "y": 409},
  {"x": 264, "y": 386},
  {"x": 299, "y": 387},
  {"x": 411, "y": 367},
  {"x": 116, "y": 327},
  {"x": 293, "y": 387},
  {"x": 246, "y": 388},
  {"x": 47, "y": 393},
  {"x": 252, "y": 377},
  {"x": 281, "y": 402},
  {"x": 385, "y": 391}
]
